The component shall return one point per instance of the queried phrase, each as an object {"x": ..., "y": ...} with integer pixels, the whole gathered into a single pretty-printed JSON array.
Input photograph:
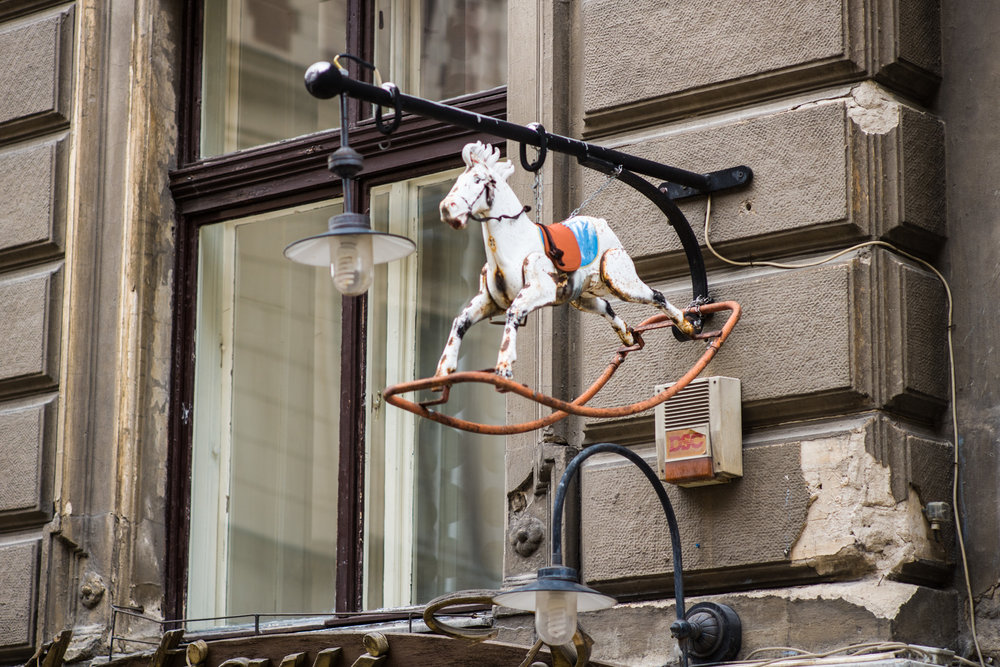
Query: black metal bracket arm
[
  {"x": 325, "y": 81},
  {"x": 724, "y": 179},
  {"x": 677, "y": 220}
]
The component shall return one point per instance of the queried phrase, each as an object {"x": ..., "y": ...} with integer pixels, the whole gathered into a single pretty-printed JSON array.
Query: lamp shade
[
  {"x": 319, "y": 250},
  {"x": 562, "y": 579},
  {"x": 555, "y": 597},
  {"x": 350, "y": 248}
]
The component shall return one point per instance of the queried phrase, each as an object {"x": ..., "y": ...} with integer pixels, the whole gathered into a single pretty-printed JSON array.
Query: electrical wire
[
  {"x": 855, "y": 653},
  {"x": 952, "y": 383}
]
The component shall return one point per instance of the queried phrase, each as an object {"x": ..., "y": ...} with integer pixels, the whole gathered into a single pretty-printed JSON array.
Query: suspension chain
[
  {"x": 538, "y": 187},
  {"x": 611, "y": 177}
]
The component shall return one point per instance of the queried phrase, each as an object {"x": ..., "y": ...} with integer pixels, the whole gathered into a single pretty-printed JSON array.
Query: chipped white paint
[
  {"x": 872, "y": 110},
  {"x": 852, "y": 511},
  {"x": 519, "y": 277},
  {"x": 882, "y": 597}
]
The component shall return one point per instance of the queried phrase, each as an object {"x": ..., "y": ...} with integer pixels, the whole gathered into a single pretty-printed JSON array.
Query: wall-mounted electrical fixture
[
  {"x": 699, "y": 433},
  {"x": 938, "y": 514},
  {"x": 707, "y": 632}
]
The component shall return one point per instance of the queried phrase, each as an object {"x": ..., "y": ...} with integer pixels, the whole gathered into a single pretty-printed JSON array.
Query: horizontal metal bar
[{"x": 324, "y": 81}]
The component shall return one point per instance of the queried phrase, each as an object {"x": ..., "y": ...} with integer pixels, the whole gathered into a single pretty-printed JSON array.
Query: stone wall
[
  {"x": 843, "y": 365},
  {"x": 87, "y": 133},
  {"x": 969, "y": 103},
  {"x": 34, "y": 136}
]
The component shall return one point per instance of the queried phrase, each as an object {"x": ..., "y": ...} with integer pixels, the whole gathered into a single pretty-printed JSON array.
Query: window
[
  {"x": 448, "y": 535},
  {"x": 293, "y": 489}
]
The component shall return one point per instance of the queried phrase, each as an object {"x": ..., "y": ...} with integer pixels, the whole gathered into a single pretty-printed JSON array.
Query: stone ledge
[
  {"x": 703, "y": 58},
  {"x": 827, "y": 173},
  {"x": 817, "y": 618},
  {"x": 864, "y": 332}
]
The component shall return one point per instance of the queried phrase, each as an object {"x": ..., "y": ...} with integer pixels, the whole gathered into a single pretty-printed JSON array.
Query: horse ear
[
  {"x": 467, "y": 154},
  {"x": 492, "y": 155},
  {"x": 504, "y": 169}
]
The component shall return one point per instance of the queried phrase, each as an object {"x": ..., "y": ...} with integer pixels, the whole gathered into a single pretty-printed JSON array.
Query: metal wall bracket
[{"x": 724, "y": 179}]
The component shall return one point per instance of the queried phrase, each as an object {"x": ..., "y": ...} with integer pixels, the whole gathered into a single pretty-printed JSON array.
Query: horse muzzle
[{"x": 452, "y": 213}]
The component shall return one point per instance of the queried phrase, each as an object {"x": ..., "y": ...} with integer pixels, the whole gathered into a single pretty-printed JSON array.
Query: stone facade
[
  {"x": 844, "y": 365},
  {"x": 860, "y": 121}
]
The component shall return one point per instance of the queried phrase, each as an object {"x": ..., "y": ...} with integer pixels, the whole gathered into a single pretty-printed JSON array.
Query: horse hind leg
[
  {"x": 603, "y": 308},
  {"x": 618, "y": 273}
]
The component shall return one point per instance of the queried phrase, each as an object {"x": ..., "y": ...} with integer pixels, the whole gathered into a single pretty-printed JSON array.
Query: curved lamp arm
[
  {"x": 710, "y": 632},
  {"x": 661, "y": 493}
]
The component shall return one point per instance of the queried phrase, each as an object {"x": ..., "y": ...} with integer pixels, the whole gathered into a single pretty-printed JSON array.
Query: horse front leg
[
  {"x": 540, "y": 289},
  {"x": 479, "y": 308}
]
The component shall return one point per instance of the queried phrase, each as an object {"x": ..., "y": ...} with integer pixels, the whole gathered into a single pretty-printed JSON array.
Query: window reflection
[
  {"x": 463, "y": 47},
  {"x": 435, "y": 499},
  {"x": 442, "y": 48},
  {"x": 266, "y": 419},
  {"x": 255, "y": 54}
]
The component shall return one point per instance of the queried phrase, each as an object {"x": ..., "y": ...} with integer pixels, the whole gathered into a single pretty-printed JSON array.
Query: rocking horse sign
[
  {"x": 527, "y": 268},
  {"x": 579, "y": 261}
]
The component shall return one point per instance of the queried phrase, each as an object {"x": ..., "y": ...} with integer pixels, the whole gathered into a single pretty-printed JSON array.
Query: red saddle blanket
[{"x": 561, "y": 246}]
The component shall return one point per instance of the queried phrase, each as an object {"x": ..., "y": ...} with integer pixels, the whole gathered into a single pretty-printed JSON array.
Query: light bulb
[
  {"x": 352, "y": 268},
  {"x": 555, "y": 616}
]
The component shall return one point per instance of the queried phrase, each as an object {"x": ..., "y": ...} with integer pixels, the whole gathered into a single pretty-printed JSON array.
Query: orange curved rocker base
[{"x": 562, "y": 408}]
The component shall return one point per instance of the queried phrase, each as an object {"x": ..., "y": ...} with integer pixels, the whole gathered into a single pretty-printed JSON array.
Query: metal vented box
[{"x": 699, "y": 433}]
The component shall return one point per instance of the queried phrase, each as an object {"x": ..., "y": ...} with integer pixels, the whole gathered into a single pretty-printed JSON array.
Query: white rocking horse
[{"x": 520, "y": 277}]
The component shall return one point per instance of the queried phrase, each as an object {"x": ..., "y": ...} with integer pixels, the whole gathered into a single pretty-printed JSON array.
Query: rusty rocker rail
[{"x": 563, "y": 408}]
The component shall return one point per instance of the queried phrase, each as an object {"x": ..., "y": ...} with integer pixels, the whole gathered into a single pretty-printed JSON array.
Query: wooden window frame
[{"x": 268, "y": 178}]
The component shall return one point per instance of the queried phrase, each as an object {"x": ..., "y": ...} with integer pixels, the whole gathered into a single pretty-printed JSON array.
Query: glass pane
[
  {"x": 442, "y": 48},
  {"x": 266, "y": 422},
  {"x": 255, "y": 55},
  {"x": 446, "y": 533}
]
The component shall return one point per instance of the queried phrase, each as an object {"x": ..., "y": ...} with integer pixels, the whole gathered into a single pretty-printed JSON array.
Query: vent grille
[{"x": 690, "y": 407}]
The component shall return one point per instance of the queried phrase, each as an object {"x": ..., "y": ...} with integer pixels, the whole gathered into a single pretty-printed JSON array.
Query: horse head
[{"x": 474, "y": 191}]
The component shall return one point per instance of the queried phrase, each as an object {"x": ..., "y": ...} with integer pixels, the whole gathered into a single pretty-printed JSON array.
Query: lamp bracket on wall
[{"x": 325, "y": 81}]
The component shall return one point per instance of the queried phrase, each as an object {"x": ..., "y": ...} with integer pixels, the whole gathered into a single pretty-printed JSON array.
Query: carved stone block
[
  {"x": 29, "y": 349},
  {"x": 825, "y": 175},
  {"x": 25, "y": 447},
  {"x": 688, "y": 58},
  {"x": 18, "y": 581},
  {"x": 817, "y": 501},
  {"x": 864, "y": 332},
  {"x": 37, "y": 74},
  {"x": 32, "y": 211},
  {"x": 823, "y": 617}
]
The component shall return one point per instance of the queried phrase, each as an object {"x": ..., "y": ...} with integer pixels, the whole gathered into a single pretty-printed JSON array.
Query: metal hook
[
  {"x": 397, "y": 117},
  {"x": 543, "y": 149}
]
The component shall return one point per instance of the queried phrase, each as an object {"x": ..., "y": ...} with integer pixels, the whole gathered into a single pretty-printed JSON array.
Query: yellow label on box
[{"x": 686, "y": 442}]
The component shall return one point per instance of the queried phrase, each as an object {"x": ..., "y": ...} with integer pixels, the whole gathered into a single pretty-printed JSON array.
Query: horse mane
[
  {"x": 485, "y": 154},
  {"x": 480, "y": 152}
]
